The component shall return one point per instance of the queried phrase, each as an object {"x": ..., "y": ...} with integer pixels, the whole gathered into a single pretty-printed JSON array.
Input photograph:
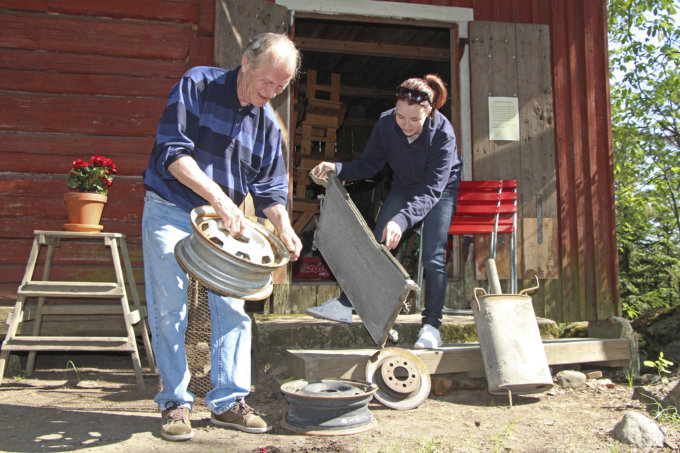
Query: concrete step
[{"x": 273, "y": 335}]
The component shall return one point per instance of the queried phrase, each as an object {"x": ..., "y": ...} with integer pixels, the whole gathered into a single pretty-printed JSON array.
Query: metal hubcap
[{"x": 239, "y": 267}]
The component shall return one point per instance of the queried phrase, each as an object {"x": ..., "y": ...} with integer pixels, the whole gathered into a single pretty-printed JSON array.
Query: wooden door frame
[{"x": 420, "y": 15}]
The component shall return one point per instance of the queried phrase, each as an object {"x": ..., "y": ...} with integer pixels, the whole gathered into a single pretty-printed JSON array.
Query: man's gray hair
[{"x": 260, "y": 46}]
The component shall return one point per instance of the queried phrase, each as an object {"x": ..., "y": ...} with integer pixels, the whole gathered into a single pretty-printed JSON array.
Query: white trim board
[{"x": 381, "y": 9}]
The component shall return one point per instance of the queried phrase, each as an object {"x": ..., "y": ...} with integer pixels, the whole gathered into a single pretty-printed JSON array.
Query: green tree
[{"x": 645, "y": 95}]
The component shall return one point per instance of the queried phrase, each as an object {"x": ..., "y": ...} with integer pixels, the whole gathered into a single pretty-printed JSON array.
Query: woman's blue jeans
[
  {"x": 434, "y": 240},
  {"x": 163, "y": 225}
]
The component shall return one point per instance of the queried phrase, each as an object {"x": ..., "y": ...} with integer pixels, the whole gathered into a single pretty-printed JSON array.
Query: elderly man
[{"x": 217, "y": 140}]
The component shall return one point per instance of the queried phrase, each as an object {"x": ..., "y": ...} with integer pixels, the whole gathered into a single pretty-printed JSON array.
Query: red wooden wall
[
  {"x": 588, "y": 286},
  {"x": 79, "y": 78}
]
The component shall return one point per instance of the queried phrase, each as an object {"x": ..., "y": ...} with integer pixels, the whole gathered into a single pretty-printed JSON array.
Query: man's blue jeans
[
  {"x": 434, "y": 240},
  {"x": 163, "y": 225}
]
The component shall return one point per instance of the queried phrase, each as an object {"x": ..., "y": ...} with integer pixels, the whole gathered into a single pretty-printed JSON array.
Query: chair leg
[
  {"x": 513, "y": 262},
  {"x": 419, "y": 277}
]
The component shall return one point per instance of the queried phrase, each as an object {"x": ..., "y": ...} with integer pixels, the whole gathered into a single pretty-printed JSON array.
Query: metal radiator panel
[{"x": 375, "y": 282}]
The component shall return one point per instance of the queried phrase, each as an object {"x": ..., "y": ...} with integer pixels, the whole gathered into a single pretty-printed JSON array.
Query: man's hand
[
  {"x": 278, "y": 215},
  {"x": 391, "y": 235},
  {"x": 231, "y": 215},
  {"x": 187, "y": 171},
  {"x": 292, "y": 242}
]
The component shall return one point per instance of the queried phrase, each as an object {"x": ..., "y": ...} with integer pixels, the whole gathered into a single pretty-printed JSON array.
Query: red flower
[
  {"x": 78, "y": 163},
  {"x": 94, "y": 176}
]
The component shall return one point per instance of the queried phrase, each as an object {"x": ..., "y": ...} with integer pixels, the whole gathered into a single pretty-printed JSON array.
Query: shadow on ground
[{"x": 67, "y": 430}]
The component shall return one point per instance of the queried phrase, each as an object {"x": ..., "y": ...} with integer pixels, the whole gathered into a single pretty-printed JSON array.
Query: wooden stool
[{"x": 42, "y": 289}]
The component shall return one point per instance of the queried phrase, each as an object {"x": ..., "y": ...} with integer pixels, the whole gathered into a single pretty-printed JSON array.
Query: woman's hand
[
  {"x": 321, "y": 170},
  {"x": 391, "y": 235}
]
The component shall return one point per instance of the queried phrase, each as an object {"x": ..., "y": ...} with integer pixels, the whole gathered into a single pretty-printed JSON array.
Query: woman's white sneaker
[
  {"x": 332, "y": 310},
  {"x": 428, "y": 338}
]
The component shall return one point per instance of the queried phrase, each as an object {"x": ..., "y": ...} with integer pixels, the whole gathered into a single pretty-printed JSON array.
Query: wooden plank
[
  {"x": 89, "y": 64},
  {"x": 92, "y": 35},
  {"x": 71, "y": 325},
  {"x": 27, "y": 5},
  {"x": 537, "y": 139},
  {"x": 53, "y": 207},
  {"x": 157, "y": 10},
  {"x": 326, "y": 290},
  {"x": 31, "y": 343},
  {"x": 581, "y": 181},
  {"x": 55, "y": 185},
  {"x": 54, "y": 153},
  {"x": 70, "y": 289},
  {"x": 14, "y": 251},
  {"x": 600, "y": 159},
  {"x": 95, "y": 115},
  {"x": 540, "y": 259},
  {"x": 108, "y": 85},
  {"x": 302, "y": 297},
  {"x": 371, "y": 48},
  {"x": 206, "y": 18},
  {"x": 493, "y": 61},
  {"x": 564, "y": 92},
  {"x": 456, "y": 358},
  {"x": 19, "y": 228},
  {"x": 237, "y": 22}
]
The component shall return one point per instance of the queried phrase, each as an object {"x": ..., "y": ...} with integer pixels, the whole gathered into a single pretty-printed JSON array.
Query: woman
[{"x": 419, "y": 145}]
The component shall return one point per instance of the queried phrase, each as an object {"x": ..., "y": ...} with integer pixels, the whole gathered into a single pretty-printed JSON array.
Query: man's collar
[{"x": 232, "y": 93}]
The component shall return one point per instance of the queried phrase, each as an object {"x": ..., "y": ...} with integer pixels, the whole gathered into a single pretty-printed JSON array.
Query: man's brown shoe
[
  {"x": 242, "y": 417},
  {"x": 175, "y": 423}
]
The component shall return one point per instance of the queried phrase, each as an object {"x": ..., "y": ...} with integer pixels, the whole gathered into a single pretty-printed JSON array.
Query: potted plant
[{"x": 90, "y": 182}]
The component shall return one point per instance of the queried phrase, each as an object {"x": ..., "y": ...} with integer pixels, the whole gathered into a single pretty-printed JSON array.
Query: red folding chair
[{"x": 485, "y": 207}]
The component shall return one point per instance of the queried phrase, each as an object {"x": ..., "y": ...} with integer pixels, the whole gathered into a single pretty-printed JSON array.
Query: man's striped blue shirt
[{"x": 237, "y": 147}]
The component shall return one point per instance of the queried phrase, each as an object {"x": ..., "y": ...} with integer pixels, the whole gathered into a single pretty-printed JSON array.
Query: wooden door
[
  {"x": 510, "y": 62},
  {"x": 239, "y": 21},
  {"x": 236, "y": 23}
]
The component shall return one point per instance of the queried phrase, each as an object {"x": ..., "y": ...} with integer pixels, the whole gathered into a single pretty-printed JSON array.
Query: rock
[
  {"x": 570, "y": 379},
  {"x": 659, "y": 329},
  {"x": 576, "y": 330},
  {"x": 673, "y": 397},
  {"x": 444, "y": 384},
  {"x": 600, "y": 384},
  {"x": 637, "y": 430},
  {"x": 594, "y": 375},
  {"x": 617, "y": 327}
]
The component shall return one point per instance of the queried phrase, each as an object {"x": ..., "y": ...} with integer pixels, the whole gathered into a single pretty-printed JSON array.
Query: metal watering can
[{"x": 510, "y": 342}]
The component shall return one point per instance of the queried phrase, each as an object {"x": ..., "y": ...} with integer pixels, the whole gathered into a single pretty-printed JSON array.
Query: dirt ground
[{"x": 90, "y": 403}]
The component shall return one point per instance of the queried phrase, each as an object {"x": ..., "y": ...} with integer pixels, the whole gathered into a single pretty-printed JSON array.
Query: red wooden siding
[
  {"x": 77, "y": 79},
  {"x": 588, "y": 286},
  {"x": 84, "y": 77}
]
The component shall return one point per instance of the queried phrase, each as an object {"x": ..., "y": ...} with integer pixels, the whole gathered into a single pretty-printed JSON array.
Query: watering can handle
[
  {"x": 533, "y": 288},
  {"x": 482, "y": 292}
]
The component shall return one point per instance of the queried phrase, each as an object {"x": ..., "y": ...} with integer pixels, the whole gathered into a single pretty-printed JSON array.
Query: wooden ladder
[{"x": 44, "y": 288}]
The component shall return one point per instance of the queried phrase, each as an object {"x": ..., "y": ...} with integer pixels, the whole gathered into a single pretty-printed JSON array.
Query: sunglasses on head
[{"x": 416, "y": 95}]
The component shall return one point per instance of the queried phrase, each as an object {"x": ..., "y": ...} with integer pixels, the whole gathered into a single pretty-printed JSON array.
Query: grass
[
  {"x": 506, "y": 432},
  {"x": 73, "y": 365}
]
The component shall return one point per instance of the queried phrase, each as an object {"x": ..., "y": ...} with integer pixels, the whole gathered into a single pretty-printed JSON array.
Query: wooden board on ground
[{"x": 454, "y": 358}]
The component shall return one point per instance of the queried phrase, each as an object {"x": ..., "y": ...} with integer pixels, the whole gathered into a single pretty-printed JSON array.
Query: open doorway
[{"x": 349, "y": 72}]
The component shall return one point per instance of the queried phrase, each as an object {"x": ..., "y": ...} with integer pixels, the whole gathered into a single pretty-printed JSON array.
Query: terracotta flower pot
[{"x": 84, "y": 211}]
